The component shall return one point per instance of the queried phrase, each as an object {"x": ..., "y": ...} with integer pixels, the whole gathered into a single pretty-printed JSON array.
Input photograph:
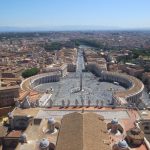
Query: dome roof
[
  {"x": 23, "y": 138},
  {"x": 123, "y": 144},
  {"x": 51, "y": 120},
  {"x": 114, "y": 121},
  {"x": 44, "y": 143},
  {"x": 23, "y": 135},
  {"x": 135, "y": 133},
  {"x": 10, "y": 115}
]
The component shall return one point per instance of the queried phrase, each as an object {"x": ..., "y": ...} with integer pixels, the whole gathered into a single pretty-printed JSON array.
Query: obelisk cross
[{"x": 81, "y": 81}]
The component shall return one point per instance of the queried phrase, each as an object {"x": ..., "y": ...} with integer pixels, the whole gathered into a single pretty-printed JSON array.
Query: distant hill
[{"x": 63, "y": 28}]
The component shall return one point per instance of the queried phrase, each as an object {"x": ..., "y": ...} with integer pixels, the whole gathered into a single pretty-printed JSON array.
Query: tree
[
  {"x": 53, "y": 46},
  {"x": 30, "y": 72}
]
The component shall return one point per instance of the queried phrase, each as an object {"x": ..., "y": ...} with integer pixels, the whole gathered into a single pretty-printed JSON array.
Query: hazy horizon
[{"x": 68, "y": 28}]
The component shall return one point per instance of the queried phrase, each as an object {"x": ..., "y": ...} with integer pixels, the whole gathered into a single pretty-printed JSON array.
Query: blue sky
[{"x": 46, "y": 13}]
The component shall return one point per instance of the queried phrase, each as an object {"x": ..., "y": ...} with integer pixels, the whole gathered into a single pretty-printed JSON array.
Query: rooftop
[
  {"x": 73, "y": 121},
  {"x": 9, "y": 88},
  {"x": 83, "y": 131}
]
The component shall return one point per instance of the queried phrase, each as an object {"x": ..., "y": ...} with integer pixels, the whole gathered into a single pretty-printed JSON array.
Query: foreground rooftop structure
[
  {"x": 83, "y": 131},
  {"x": 72, "y": 129}
]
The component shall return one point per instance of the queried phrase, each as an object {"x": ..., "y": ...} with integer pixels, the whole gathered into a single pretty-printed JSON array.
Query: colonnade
[
  {"x": 134, "y": 87},
  {"x": 45, "y": 79}
]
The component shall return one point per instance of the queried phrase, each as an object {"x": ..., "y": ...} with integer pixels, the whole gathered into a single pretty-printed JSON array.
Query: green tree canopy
[{"x": 30, "y": 72}]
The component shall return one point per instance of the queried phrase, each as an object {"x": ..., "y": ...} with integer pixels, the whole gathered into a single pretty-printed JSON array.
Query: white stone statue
[
  {"x": 82, "y": 102},
  {"x": 89, "y": 103},
  {"x": 76, "y": 103},
  {"x": 63, "y": 103},
  {"x": 68, "y": 103},
  {"x": 50, "y": 103},
  {"x": 97, "y": 103}
]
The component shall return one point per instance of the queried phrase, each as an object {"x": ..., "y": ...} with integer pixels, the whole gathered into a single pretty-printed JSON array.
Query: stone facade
[{"x": 7, "y": 95}]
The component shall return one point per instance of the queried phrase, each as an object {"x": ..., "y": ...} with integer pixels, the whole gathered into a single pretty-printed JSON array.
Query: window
[{"x": 146, "y": 128}]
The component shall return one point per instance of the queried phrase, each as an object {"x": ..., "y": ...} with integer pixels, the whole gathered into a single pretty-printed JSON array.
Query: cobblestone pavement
[{"x": 93, "y": 90}]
